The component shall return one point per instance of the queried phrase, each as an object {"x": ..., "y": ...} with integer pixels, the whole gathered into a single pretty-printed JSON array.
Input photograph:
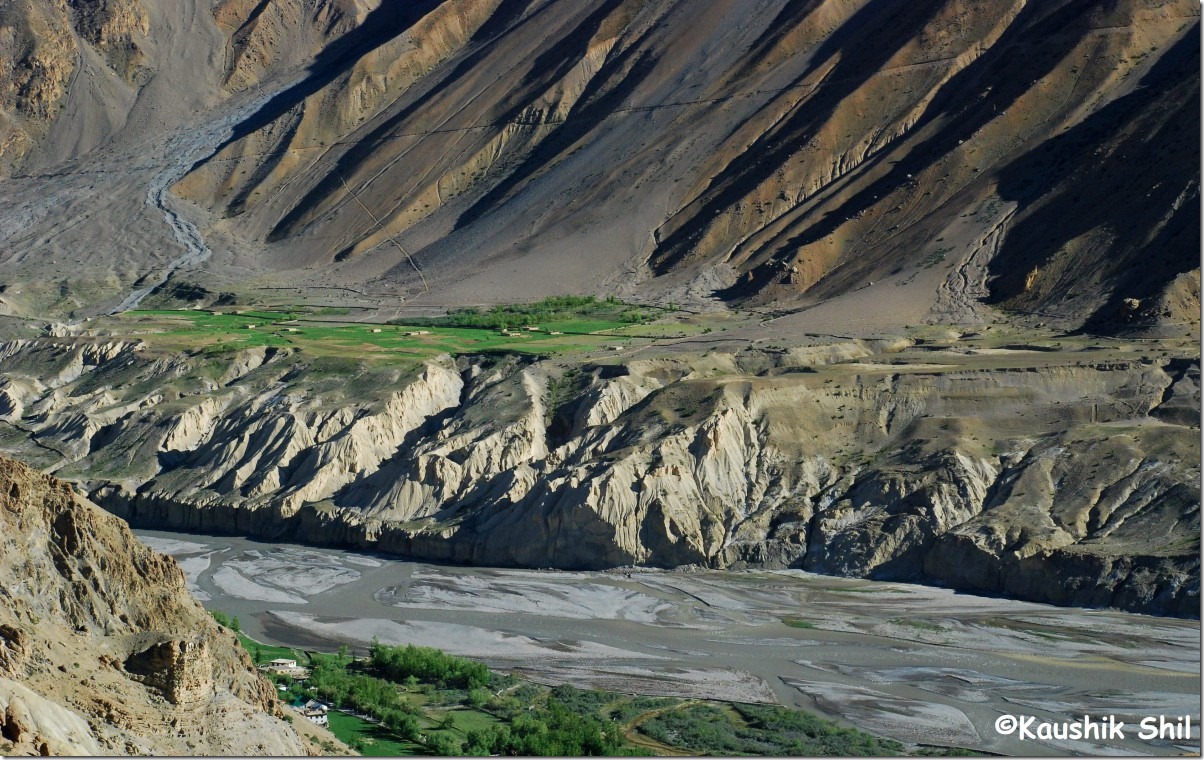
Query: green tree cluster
[
  {"x": 554, "y": 731},
  {"x": 553, "y": 309},
  {"x": 428, "y": 665},
  {"x": 225, "y": 620},
  {"x": 761, "y": 730},
  {"x": 366, "y": 694}
]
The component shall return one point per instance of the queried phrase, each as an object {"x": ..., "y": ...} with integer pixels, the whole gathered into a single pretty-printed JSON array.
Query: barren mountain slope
[
  {"x": 93, "y": 144},
  {"x": 1039, "y": 157},
  {"x": 85, "y": 75},
  {"x": 103, "y": 650},
  {"x": 787, "y": 150},
  {"x": 43, "y": 44},
  {"x": 268, "y": 36}
]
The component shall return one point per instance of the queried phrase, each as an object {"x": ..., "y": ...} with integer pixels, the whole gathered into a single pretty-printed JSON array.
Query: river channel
[{"x": 915, "y": 663}]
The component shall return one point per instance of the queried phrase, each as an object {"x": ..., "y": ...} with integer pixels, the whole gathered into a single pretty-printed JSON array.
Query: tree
[
  {"x": 442, "y": 744},
  {"x": 234, "y": 625},
  {"x": 476, "y": 698},
  {"x": 486, "y": 741},
  {"x": 429, "y": 665},
  {"x": 343, "y": 650},
  {"x": 402, "y": 724},
  {"x": 258, "y": 654}
]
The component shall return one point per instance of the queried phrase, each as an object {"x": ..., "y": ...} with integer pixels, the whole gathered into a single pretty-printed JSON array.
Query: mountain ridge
[{"x": 693, "y": 152}]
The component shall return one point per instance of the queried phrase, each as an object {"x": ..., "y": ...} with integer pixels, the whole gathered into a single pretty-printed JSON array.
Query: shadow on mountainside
[
  {"x": 1131, "y": 169},
  {"x": 392, "y": 18},
  {"x": 504, "y": 19},
  {"x": 1007, "y": 69},
  {"x": 605, "y": 92},
  {"x": 875, "y": 33}
]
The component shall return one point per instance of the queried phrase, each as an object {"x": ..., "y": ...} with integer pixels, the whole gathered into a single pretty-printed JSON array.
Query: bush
[
  {"x": 505, "y": 707},
  {"x": 401, "y": 723},
  {"x": 582, "y": 701},
  {"x": 226, "y": 621}
]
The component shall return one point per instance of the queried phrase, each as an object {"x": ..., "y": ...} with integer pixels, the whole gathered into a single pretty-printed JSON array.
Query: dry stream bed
[{"x": 918, "y": 664}]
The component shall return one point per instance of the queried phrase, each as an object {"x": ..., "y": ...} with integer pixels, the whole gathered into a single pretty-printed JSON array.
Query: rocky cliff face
[
  {"x": 1069, "y": 479},
  {"x": 102, "y": 649},
  {"x": 265, "y": 37},
  {"x": 114, "y": 28}
]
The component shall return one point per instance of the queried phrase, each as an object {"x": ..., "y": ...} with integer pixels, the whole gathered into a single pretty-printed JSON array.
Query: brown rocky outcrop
[
  {"x": 41, "y": 48},
  {"x": 37, "y": 56},
  {"x": 116, "y": 28},
  {"x": 102, "y": 649},
  {"x": 178, "y": 669}
]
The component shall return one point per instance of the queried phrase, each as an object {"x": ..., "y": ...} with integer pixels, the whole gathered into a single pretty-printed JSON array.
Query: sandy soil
[
  {"x": 915, "y": 663},
  {"x": 509, "y": 592}
]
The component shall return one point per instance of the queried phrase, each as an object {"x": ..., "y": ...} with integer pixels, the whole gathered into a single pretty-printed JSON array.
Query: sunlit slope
[{"x": 1033, "y": 153}]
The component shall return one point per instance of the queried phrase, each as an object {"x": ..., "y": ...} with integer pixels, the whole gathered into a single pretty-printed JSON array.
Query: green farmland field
[{"x": 220, "y": 332}]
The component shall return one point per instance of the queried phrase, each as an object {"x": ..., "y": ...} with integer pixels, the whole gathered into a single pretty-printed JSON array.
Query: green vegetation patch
[
  {"x": 562, "y": 325},
  {"x": 570, "y": 314},
  {"x": 554, "y": 729},
  {"x": 795, "y": 622},
  {"x": 466, "y": 719},
  {"x": 627, "y": 710},
  {"x": 263, "y": 653},
  {"x": 226, "y": 621},
  {"x": 429, "y": 665},
  {"x": 760, "y": 730},
  {"x": 369, "y": 739},
  {"x": 420, "y": 701},
  {"x": 935, "y": 257}
]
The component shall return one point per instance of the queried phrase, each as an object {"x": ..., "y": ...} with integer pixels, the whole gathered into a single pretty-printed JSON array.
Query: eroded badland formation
[{"x": 933, "y": 269}]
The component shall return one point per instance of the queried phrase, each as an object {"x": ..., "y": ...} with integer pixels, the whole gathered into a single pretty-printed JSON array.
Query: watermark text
[{"x": 1104, "y": 728}]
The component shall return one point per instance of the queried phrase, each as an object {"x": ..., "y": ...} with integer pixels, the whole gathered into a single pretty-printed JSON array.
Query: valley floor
[{"x": 913, "y": 663}]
